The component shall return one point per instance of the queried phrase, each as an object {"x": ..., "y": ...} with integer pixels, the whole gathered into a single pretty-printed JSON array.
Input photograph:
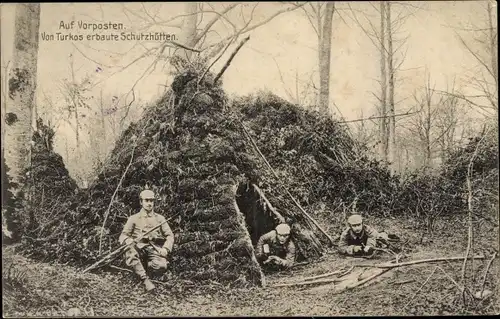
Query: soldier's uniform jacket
[
  {"x": 348, "y": 239},
  {"x": 142, "y": 222},
  {"x": 285, "y": 251}
]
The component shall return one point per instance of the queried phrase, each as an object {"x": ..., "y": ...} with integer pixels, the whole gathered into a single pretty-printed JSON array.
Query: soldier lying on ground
[
  {"x": 276, "y": 249},
  {"x": 152, "y": 251},
  {"x": 358, "y": 239}
]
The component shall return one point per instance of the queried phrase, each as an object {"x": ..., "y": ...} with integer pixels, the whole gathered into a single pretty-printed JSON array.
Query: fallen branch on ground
[
  {"x": 303, "y": 283},
  {"x": 420, "y": 261},
  {"x": 310, "y": 281},
  {"x": 403, "y": 282},
  {"x": 386, "y": 267},
  {"x": 362, "y": 282},
  {"x": 330, "y": 274}
]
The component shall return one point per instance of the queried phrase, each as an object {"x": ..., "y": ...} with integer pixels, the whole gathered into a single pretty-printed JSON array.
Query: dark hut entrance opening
[{"x": 259, "y": 217}]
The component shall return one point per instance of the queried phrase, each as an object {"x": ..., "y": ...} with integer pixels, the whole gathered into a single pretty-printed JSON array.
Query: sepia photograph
[{"x": 187, "y": 159}]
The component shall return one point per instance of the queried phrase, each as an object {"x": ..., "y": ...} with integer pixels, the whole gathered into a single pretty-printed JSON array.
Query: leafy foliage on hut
[{"x": 193, "y": 150}]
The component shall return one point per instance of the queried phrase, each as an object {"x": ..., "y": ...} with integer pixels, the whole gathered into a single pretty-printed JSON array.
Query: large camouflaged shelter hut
[{"x": 191, "y": 149}]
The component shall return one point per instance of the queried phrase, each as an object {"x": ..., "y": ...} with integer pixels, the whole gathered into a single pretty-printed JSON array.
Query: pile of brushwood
[
  {"x": 48, "y": 172},
  {"x": 315, "y": 158},
  {"x": 447, "y": 192},
  {"x": 50, "y": 186}
]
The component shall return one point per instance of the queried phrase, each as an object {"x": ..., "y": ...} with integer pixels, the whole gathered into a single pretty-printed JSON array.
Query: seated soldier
[
  {"x": 358, "y": 239},
  {"x": 149, "y": 252},
  {"x": 276, "y": 249}
]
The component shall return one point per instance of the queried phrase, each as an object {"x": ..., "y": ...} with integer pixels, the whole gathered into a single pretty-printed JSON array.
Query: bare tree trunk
[
  {"x": 427, "y": 159},
  {"x": 19, "y": 115},
  {"x": 67, "y": 150},
  {"x": 74, "y": 99},
  {"x": 189, "y": 33},
  {"x": 493, "y": 49},
  {"x": 391, "y": 112},
  {"x": 3, "y": 100},
  {"x": 104, "y": 140},
  {"x": 383, "y": 86},
  {"x": 325, "y": 48}
]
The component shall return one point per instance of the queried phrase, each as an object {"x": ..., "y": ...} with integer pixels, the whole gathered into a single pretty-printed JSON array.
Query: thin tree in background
[
  {"x": 320, "y": 17},
  {"x": 325, "y": 49},
  {"x": 21, "y": 107},
  {"x": 392, "y": 149},
  {"x": 391, "y": 59},
  {"x": 384, "y": 134}
]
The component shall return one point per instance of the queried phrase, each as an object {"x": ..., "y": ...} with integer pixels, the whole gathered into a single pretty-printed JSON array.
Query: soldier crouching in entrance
[
  {"x": 276, "y": 249},
  {"x": 358, "y": 240},
  {"x": 150, "y": 253}
]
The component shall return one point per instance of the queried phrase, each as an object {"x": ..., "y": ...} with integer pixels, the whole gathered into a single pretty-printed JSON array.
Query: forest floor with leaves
[{"x": 43, "y": 289}]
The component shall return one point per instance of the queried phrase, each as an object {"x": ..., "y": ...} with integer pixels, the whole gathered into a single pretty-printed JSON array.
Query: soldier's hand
[
  {"x": 278, "y": 261},
  {"x": 128, "y": 241},
  {"x": 369, "y": 250},
  {"x": 164, "y": 252},
  {"x": 270, "y": 259},
  {"x": 357, "y": 249}
]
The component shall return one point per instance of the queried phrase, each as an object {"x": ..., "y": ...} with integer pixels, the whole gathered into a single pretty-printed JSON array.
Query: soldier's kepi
[
  {"x": 358, "y": 239},
  {"x": 276, "y": 249},
  {"x": 151, "y": 252}
]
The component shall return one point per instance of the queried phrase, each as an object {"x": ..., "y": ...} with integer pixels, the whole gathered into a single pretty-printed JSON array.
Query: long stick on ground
[
  {"x": 304, "y": 283},
  {"x": 282, "y": 185},
  {"x": 362, "y": 282},
  {"x": 271, "y": 208},
  {"x": 420, "y": 261},
  {"x": 231, "y": 58},
  {"x": 386, "y": 267},
  {"x": 343, "y": 273}
]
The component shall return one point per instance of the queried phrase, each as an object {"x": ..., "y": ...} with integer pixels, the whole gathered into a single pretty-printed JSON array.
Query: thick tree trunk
[
  {"x": 325, "y": 48},
  {"x": 391, "y": 111},
  {"x": 20, "y": 106},
  {"x": 383, "y": 88}
]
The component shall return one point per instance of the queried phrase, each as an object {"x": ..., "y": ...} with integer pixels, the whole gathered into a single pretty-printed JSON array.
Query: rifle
[{"x": 120, "y": 250}]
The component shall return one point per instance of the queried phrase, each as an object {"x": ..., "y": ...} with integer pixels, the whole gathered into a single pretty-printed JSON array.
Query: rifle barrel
[{"x": 119, "y": 251}]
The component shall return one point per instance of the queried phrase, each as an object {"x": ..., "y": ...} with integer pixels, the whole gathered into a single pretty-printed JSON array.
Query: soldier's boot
[
  {"x": 141, "y": 272},
  {"x": 148, "y": 284}
]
